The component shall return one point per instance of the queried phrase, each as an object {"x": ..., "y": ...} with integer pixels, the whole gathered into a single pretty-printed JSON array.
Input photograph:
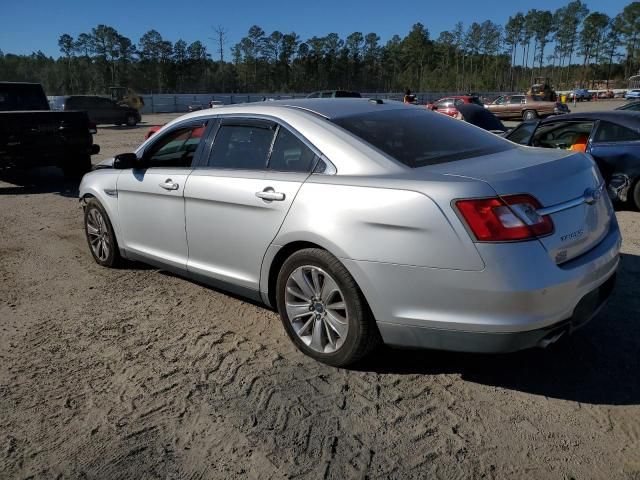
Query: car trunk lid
[{"x": 569, "y": 187}]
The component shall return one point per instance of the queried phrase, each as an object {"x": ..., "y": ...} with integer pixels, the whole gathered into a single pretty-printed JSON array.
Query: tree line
[{"x": 571, "y": 45}]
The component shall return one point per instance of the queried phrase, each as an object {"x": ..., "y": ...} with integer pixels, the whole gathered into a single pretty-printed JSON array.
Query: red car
[
  {"x": 152, "y": 130},
  {"x": 448, "y": 105}
]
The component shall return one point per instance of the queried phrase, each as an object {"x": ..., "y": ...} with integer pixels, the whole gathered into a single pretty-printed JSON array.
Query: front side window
[
  {"x": 176, "y": 148},
  {"x": 565, "y": 135},
  {"x": 610, "y": 132},
  {"x": 104, "y": 103},
  {"x": 244, "y": 147},
  {"x": 290, "y": 154},
  {"x": 417, "y": 137},
  {"x": 522, "y": 134}
]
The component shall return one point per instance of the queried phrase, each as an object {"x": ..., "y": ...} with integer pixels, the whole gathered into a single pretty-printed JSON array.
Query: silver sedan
[{"x": 364, "y": 221}]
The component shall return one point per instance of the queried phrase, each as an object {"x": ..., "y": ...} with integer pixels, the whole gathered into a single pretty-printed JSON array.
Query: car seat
[{"x": 580, "y": 143}]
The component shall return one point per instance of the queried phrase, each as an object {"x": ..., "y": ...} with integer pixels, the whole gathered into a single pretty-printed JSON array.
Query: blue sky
[{"x": 31, "y": 25}]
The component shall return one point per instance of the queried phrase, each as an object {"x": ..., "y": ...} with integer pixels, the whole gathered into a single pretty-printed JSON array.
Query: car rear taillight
[{"x": 505, "y": 219}]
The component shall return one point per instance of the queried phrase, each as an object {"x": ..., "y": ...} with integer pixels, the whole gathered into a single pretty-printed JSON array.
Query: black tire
[
  {"x": 76, "y": 168},
  {"x": 529, "y": 115},
  {"x": 131, "y": 120},
  {"x": 634, "y": 197},
  {"x": 362, "y": 334},
  {"x": 113, "y": 258}
]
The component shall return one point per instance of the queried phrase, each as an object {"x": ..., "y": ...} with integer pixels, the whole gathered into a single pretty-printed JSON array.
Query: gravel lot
[{"x": 136, "y": 373}]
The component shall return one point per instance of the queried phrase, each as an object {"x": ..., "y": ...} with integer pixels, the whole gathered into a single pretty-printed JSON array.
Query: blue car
[
  {"x": 580, "y": 94},
  {"x": 611, "y": 138},
  {"x": 633, "y": 94}
]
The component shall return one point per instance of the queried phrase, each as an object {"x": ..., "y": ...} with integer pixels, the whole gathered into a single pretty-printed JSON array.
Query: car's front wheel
[
  {"x": 323, "y": 310},
  {"x": 100, "y": 237}
]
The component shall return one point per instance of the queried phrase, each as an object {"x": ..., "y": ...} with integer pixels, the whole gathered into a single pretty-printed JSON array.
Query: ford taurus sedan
[{"x": 364, "y": 221}]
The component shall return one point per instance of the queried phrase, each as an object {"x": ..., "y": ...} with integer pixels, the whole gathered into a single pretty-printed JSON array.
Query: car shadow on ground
[
  {"x": 37, "y": 181},
  {"x": 598, "y": 364}
]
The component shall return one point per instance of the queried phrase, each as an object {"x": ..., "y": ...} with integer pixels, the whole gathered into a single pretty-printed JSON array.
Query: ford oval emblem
[{"x": 592, "y": 195}]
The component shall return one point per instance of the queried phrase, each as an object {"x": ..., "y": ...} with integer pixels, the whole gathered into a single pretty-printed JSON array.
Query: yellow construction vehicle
[
  {"x": 542, "y": 88},
  {"x": 126, "y": 96}
]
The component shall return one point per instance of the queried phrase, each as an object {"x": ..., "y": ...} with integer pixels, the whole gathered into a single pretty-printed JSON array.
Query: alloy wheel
[
  {"x": 317, "y": 309},
  {"x": 98, "y": 234}
]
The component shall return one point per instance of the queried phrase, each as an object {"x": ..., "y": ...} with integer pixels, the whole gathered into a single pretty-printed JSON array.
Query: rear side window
[
  {"x": 77, "y": 103},
  {"x": 241, "y": 147},
  {"x": 516, "y": 100},
  {"x": 417, "y": 137},
  {"x": 610, "y": 132},
  {"x": 102, "y": 102},
  {"x": 290, "y": 154}
]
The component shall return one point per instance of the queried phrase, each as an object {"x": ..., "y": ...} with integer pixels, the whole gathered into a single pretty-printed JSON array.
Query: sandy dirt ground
[{"x": 136, "y": 373}]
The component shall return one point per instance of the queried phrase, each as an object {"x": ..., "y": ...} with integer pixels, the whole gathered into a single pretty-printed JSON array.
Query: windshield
[{"x": 417, "y": 137}]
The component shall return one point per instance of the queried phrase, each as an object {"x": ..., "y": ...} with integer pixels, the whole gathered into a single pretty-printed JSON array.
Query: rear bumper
[
  {"x": 519, "y": 300},
  {"x": 420, "y": 337}
]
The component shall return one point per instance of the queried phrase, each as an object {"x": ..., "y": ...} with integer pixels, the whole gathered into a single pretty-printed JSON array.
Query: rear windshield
[
  {"x": 418, "y": 137},
  {"x": 22, "y": 96}
]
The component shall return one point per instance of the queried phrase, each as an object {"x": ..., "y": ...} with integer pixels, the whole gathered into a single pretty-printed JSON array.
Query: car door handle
[
  {"x": 169, "y": 185},
  {"x": 269, "y": 194}
]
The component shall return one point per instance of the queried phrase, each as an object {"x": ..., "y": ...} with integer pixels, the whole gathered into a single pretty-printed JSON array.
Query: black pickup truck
[{"x": 32, "y": 136}]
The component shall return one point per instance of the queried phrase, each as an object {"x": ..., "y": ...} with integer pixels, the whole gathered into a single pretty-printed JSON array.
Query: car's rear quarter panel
[{"x": 388, "y": 225}]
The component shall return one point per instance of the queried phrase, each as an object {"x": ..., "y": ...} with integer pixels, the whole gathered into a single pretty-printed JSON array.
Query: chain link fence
[{"x": 180, "y": 103}]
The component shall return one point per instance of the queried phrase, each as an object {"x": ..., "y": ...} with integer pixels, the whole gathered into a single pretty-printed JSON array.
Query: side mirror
[{"x": 125, "y": 160}]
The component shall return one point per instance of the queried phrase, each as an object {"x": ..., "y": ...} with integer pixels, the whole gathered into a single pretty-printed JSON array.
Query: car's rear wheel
[
  {"x": 131, "y": 120},
  {"x": 100, "y": 237},
  {"x": 529, "y": 115},
  {"x": 635, "y": 195},
  {"x": 323, "y": 310}
]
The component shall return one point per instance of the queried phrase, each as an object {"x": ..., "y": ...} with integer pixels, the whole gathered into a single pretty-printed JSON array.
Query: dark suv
[
  {"x": 101, "y": 110},
  {"x": 334, "y": 94}
]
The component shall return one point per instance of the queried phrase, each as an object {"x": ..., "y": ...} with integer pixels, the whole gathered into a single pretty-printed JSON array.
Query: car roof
[
  {"x": 621, "y": 117},
  {"x": 457, "y": 96},
  {"x": 330, "y": 108}
]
